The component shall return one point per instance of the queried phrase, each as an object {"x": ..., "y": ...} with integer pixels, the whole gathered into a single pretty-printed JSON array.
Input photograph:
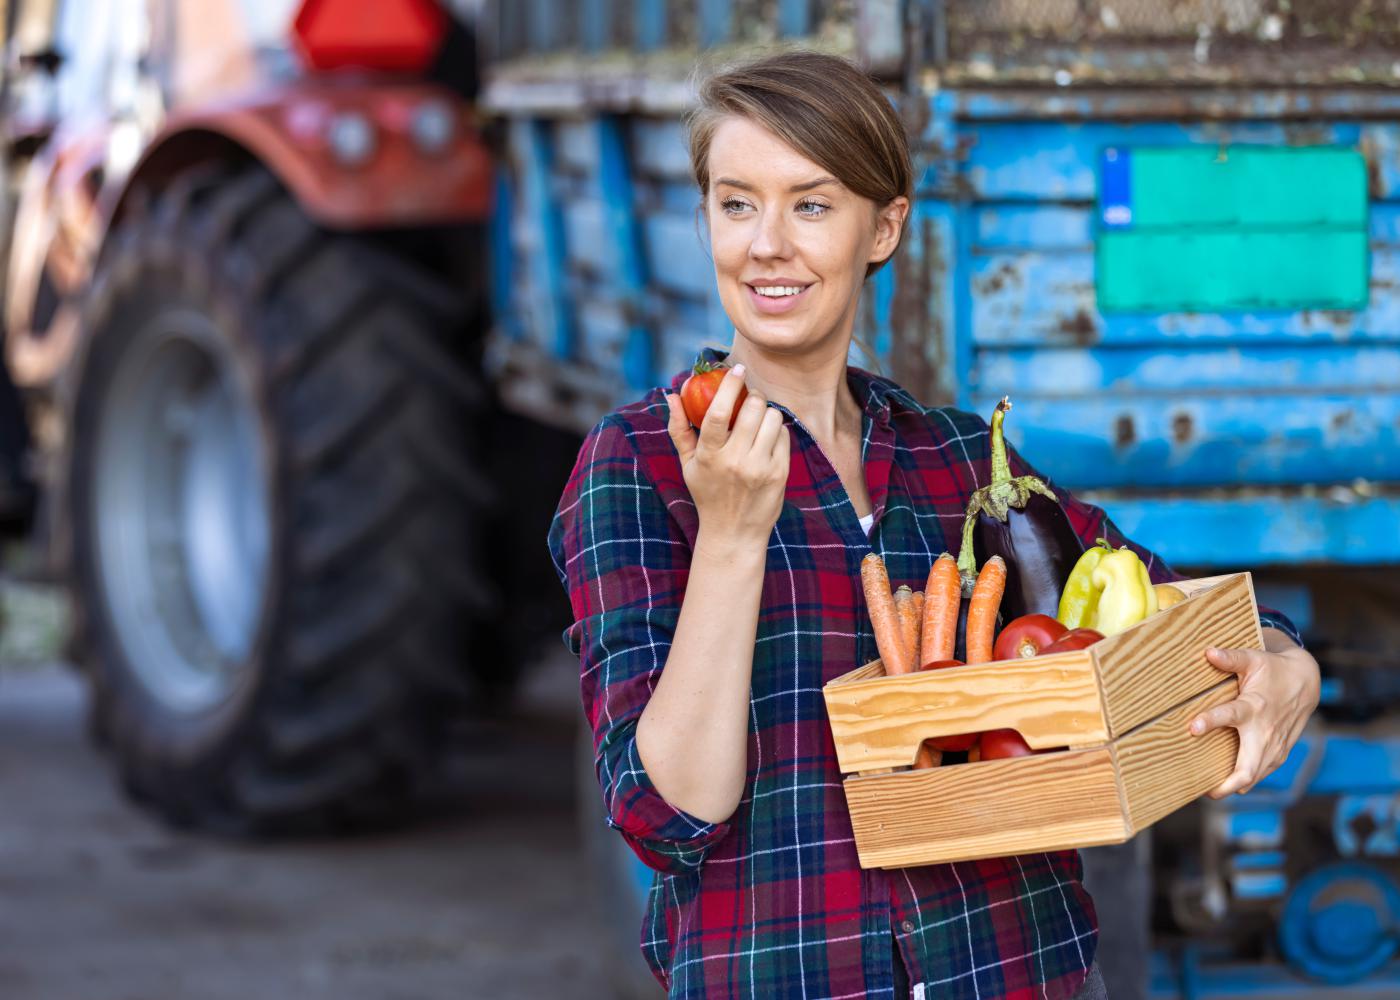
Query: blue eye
[
  {"x": 807, "y": 203},
  {"x": 732, "y": 205}
]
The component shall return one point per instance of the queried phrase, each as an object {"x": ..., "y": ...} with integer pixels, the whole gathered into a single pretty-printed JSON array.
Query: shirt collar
[{"x": 871, "y": 391}]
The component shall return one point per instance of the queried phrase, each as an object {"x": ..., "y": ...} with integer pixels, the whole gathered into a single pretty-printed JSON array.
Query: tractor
[{"x": 242, "y": 416}]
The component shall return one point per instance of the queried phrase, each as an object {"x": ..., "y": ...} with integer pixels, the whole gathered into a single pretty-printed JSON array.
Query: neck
[{"x": 812, "y": 384}]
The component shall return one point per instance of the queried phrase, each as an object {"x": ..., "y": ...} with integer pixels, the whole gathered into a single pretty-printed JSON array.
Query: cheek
[
  {"x": 729, "y": 248},
  {"x": 729, "y": 251},
  {"x": 832, "y": 252}
]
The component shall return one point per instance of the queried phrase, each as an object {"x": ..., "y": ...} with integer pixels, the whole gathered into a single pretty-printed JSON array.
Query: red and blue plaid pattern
[{"x": 773, "y": 903}]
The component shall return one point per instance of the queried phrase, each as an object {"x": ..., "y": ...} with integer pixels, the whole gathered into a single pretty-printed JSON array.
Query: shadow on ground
[{"x": 486, "y": 899}]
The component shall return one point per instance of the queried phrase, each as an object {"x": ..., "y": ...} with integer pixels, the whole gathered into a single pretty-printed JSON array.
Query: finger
[
  {"x": 745, "y": 429},
  {"x": 1246, "y": 770},
  {"x": 678, "y": 426},
  {"x": 782, "y": 447},
  {"x": 1233, "y": 713},
  {"x": 1264, "y": 771},
  {"x": 766, "y": 440},
  {"x": 1237, "y": 661},
  {"x": 714, "y": 428}
]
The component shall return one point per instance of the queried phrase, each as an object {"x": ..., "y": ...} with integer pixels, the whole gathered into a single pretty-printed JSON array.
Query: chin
[{"x": 779, "y": 338}]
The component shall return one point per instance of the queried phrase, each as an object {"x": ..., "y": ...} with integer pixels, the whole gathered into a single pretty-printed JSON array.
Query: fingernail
[
  {"x": 739, "y": 368},
  {"x": 1197, "y": 726}
]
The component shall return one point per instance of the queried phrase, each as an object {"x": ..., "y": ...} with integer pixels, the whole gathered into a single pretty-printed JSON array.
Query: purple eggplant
[{"x": 1020, "y": 519}]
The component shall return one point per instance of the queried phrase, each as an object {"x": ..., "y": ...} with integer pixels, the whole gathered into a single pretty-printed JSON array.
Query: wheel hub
[{"x": 181, "y": 513}]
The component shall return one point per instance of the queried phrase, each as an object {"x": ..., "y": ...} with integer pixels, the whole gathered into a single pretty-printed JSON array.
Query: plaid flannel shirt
[{"x": 773, "y": 902}]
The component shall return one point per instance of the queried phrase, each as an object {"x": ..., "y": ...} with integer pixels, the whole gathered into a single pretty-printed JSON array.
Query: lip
[{"x": 771, "y": 306}]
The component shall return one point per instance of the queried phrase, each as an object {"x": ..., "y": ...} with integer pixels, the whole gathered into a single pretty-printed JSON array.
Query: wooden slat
[
  {"x": 875, "y": 668},
  {"x": 1163, "y": 767},
  {"x": 1203, "y": 583},
  {"x": 1161, "y": 662},
  {"x": 1053, "y": 701},
  {"x": 987, "y": 809}
]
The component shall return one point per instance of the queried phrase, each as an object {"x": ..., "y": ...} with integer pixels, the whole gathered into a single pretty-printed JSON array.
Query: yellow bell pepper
[
  {"x": 1108, "y": 590},
  {"x": 1079, "y": 600}
]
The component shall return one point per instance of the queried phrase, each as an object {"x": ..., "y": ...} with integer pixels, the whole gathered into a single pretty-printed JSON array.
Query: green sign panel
[{"x": 1206, "y": 230}]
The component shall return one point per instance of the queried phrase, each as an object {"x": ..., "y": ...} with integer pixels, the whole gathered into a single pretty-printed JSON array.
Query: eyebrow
[{"x": 804, "y": 186}]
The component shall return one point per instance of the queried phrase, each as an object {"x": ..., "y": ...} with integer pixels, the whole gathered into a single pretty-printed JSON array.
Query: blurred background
[{"x": 308, "y": 303}]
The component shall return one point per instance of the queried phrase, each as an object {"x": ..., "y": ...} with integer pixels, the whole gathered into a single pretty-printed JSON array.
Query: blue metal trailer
[{"x": 1172, "y": 235}]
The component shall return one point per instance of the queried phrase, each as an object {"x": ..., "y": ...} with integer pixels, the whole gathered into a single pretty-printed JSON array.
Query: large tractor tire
[{"x": 272, "y": 495}]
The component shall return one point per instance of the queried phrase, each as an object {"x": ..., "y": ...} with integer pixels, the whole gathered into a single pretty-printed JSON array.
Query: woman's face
[{"x": 790, "y": 242}]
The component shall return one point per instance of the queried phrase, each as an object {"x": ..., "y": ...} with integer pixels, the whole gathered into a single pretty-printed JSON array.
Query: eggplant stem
[
  {"x": 967, "y": 556},
  {"x": 1004, "y": 492},
  {"x": 1001, "y": 468}
]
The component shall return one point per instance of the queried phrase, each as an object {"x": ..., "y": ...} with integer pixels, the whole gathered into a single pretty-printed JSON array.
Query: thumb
[
  {"x": 1237, "y": 661},
  {"x": 682, "y": 434}
]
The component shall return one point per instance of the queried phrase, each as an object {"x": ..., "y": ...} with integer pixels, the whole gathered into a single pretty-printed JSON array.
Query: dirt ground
[{"x": 99, "y": 902}]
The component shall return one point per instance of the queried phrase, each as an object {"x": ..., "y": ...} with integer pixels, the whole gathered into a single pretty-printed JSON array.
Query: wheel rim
[{"x": 181, "y": 511}]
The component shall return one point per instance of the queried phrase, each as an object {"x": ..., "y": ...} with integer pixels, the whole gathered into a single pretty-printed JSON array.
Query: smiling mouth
[{"x": 779, "y": 292}]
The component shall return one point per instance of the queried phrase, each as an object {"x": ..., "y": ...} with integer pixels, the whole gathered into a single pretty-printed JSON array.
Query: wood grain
[
  {"x": 1202, "y": 583},
  {"x": 875, "y": 668},
  {"x": 1163, "y": 767},
  {"x": 986, "y": 809},
  {"x": 1052, "y": 701},
  {"x": 1161, "y": 662}
]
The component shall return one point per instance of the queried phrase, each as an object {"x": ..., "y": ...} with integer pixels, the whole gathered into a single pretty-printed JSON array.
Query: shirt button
[{"x": 907, "y": 927}]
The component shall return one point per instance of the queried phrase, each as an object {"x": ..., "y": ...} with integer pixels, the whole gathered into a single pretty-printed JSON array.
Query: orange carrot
[
  {"x": 917, "y": 629},
  {"x": 942, "y": 598},
  {"x": 908, "y": 623},
  {"x": 884, "y": 619},
  {"x": 982, "y": 610},
  {"x": 928, "y": 756}
]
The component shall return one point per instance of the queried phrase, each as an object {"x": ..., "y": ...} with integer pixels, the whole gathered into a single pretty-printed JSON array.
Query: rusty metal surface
[
  {"x": 522, "y": 28},
  {"x": 285, "y": 129},
  {"x": 1064, "y": 42},
  {"x": 55, "y": 236}
]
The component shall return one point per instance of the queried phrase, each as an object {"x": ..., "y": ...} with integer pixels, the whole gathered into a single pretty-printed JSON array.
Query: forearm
[
  {"x": 692, "y": 736},
  {"x": 1277, "y": 640}
]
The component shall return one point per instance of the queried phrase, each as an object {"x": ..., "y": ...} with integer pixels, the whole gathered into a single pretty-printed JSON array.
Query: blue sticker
[{"x": 1116, "y": 188}]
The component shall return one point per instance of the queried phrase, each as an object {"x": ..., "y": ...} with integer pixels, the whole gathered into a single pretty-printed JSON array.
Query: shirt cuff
[
  {"x": 640, "y": 812},
  {"x": 1268, "y": 618}
]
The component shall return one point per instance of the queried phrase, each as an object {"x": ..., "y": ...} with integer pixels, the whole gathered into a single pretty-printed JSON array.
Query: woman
[{"x": 715, "y": 581}]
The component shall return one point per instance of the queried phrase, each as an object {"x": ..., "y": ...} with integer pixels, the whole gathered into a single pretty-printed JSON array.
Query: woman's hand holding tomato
[
  {"x": 698, "y": 391},
  {"x": 737, "y": 476}
]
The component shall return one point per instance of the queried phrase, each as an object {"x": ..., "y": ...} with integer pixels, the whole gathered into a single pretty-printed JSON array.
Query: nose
[{"x": 770, "y": 236}]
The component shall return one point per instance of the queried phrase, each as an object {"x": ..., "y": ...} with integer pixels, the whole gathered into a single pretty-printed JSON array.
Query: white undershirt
[{"x": 867, "y": 521}]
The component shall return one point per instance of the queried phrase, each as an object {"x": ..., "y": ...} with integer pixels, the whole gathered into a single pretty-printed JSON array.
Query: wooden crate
[{"x": 1121, "y": 707}]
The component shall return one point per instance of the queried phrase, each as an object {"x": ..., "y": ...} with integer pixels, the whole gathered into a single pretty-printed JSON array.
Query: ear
[{"x": 889, "y": 223}]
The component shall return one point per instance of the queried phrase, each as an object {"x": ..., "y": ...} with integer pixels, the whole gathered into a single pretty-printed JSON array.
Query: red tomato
[
  {"x": 698, "y": 392},
  {"x": 1026, "y": 636},
  {"x": 966, "y": 740},
  {"x": 1003, "y": 743},
  {"x": 1078, "y": 638}
]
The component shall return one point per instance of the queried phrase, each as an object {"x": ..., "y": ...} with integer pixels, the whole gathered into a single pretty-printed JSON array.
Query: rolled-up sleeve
[
  {"x": 624, "y": 564},
  {"x": 1092, "y": 522}
]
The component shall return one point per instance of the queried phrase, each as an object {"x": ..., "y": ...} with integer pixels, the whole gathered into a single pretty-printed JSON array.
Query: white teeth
[{"x": 777, "y": 291}]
